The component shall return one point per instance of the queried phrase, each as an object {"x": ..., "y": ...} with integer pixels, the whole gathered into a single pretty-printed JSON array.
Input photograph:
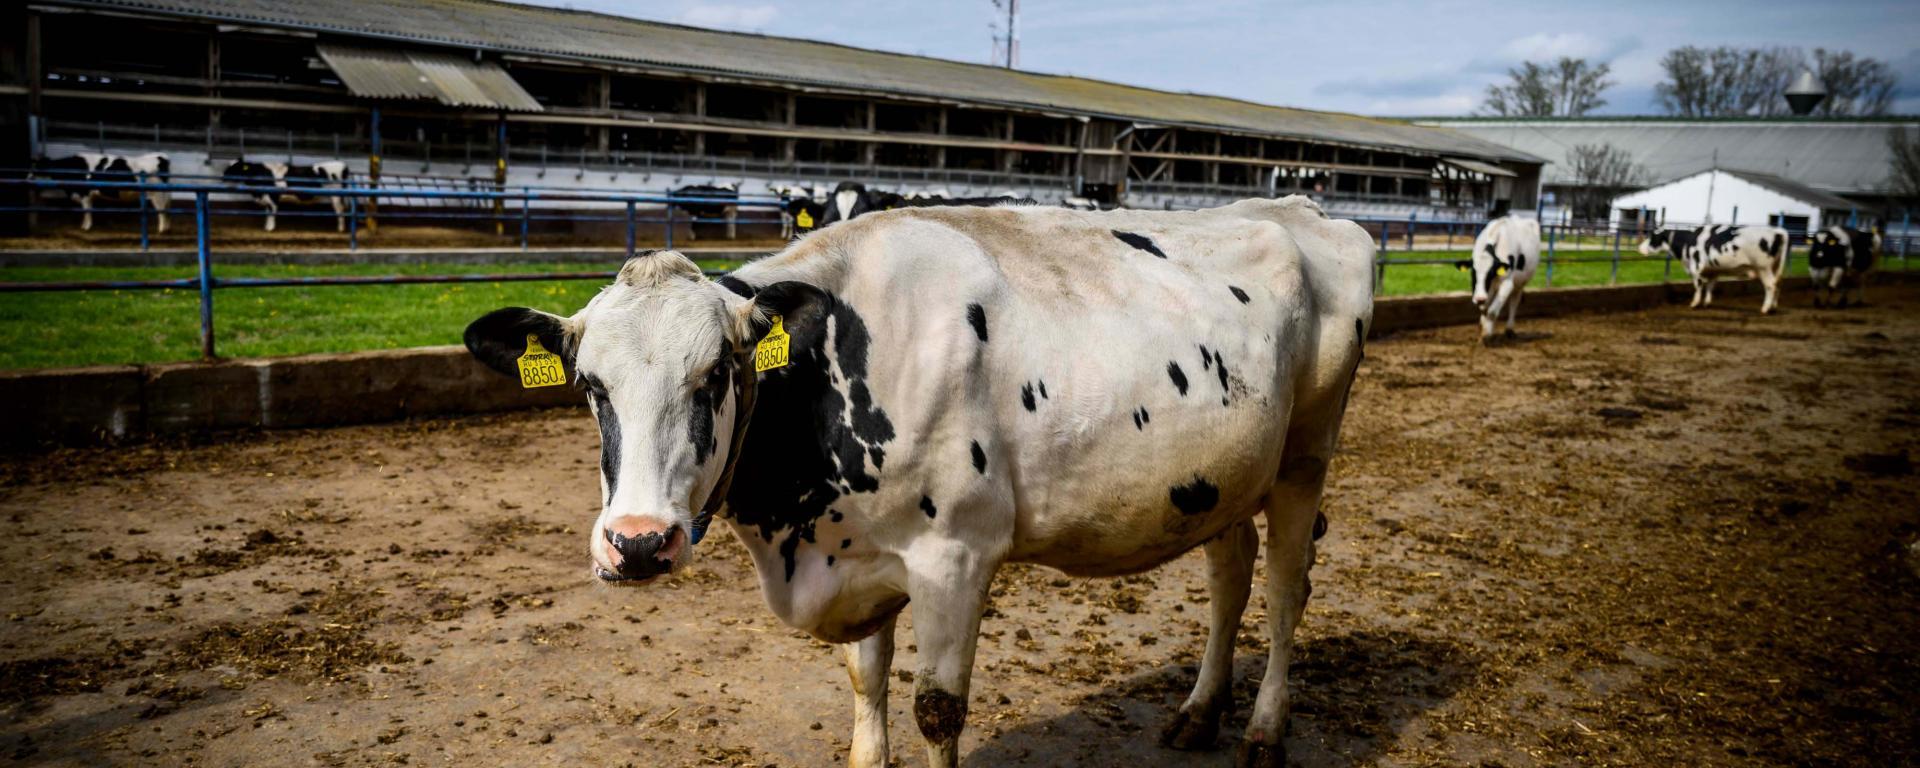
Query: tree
[
  {"x": 1728, "y": 81},
  {"x": 1903, "y": 179},
  {"x": 1709, "y": 82},
  {"x": 1855, "y": 86},
  {"x": 1601, "y": 172},
  {"x": 1569, "y": 87}
]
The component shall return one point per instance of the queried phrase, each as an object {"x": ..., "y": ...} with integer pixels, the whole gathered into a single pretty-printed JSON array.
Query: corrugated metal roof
[
  {"x": 443, "y": 77},
  {"x": 570, "y": 34},
  {"x": 1848, "y": 157},
  {"x": 1792, "y": 189},
  {"x": 1479, "y": 167}
]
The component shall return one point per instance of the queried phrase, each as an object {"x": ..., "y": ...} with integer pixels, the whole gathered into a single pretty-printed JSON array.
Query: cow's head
[
  {"x": 1487, "y": 269},
  {"x": 243, "y": 171},
  {"x": 665, "y": 357},
  {"x": 1828, "y": 248},
  {"x": 1659, "y": 241}
]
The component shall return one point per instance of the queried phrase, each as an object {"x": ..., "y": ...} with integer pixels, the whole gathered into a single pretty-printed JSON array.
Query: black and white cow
[
  {"x": 1505, "y": 256},
  {"x": 711, "y": 201},
  {"x": 1719, "y": 251},
  {"x": 294, "y": 178},
  {"x": 83, "y": 172},
  {"x": 1838, "y": 260},
  {"x": 800, "y": 210},
  {"x": 967, "y": 387}
]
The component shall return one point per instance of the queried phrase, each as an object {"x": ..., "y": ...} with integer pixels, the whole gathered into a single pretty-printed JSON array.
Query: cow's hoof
[
  {"x": 1510, "y": 334},
  {"x": 1253, "y": 754},
  {"x": 1190, "y": 731}
]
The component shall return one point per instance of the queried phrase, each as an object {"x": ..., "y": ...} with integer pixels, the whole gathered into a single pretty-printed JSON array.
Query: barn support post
[
  {"x": 670, "y": 226},
  {"x": 1410, "y": 227},
  {"x": 373, "y": 170},
  {"x": 630, "y": 233},
  {"x": 500, "y": 181},
  {"x": 526, "y": 202},
  {"x": 353, "y": 223},
  {"x": 140, "y": 199},
  {"x": 1550, "y": 254},
  {"x": 1853, "y": 218},
  {"x": 205, "y": 257},
  {"x": 1906, "y": 235},
  {"x": 1614, "y": 279},
  {"x": 1735, "y": 220}
]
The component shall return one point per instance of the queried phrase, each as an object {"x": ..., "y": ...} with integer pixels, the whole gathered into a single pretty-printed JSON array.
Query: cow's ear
[
  {"x": 802, "y": 310},
  {"x": 499, "y": 338},
  {"x": 1463, "y": 266}
]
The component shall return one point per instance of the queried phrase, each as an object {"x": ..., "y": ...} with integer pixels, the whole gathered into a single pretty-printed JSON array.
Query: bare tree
[
  {"x": 1903, "y": 179},
  {"x": 1707, "y": 82},
  {"x": 1601, "y": 172},
  {"x": 1855, "y": 85},
  {"x": 1568, "y": 87}
]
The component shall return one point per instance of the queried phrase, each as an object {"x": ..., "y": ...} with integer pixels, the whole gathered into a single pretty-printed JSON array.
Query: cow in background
[
  {"x": 714, "y": 201},
  {"x": 1504, "y": 257},
  {"x": 82, "y": 173},
  {"x": 1838, "y": 260},
  {"x": 295, "y": 178},
  {"x": 1718, "y": 251},
  {"x": 800, "y": 210}
]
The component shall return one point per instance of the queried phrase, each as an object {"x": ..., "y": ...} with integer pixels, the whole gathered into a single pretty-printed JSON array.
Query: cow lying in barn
[
  {"x": 294, "y": 178},
  {"x": 1504, "y": 257},
  {"x": 82, "y": 173},
  {"x": 1720, "y": 251},
  {"x": 713, "y": 202},
  {"x": 945, "y": 390},
  {"x": 1838, "y": 260}
]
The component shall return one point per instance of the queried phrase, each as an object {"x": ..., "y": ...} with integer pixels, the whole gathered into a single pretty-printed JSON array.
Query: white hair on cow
[{"x": 656, "y": 268}]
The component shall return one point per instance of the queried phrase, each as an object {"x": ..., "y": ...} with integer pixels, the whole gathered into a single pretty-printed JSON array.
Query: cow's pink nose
[{"x": 637, "y": 548}]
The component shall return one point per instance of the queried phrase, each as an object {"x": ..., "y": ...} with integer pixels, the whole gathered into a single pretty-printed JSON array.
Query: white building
[{"x": 1729, "y": 196}]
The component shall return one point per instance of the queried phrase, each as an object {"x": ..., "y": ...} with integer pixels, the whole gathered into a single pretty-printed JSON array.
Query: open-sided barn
[{"x": 496, "y": 93}]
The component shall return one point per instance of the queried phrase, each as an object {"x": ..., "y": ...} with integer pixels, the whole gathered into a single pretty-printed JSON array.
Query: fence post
[
  {"x": 669, "y": 225},
  {"x": 1906, "y": 235},
  {"x": 526, "y": 202},
  {"x": 1410, "y": 227},
  {"x": 205, "y": 257},
  {"x": 630, "y": 233},
  {"x": 1615, "y": 278},
  {"x": 140, "y": 196},
  {"x": 1385, "y": 226},
  {"x": 1379, "y": 274},
  {"x": 353, "y": 223},
  {"x": 1550, "y": 255}
]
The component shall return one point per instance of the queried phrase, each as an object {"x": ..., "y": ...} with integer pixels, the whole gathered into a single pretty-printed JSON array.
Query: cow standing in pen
[
  {"x": 81, "y": 176},
  {"x": 709, "y": 202},
  {"x": 890, "y": 409},
  {"x": 1838, "y": 260},
  {"x": 1719, "y": 251},
  {"x": 296, "y": 179},
  {"x": 1505, "y": 256}
]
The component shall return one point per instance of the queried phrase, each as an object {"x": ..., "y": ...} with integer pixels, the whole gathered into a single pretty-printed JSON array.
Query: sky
[{"x": 1393, "y": 58}]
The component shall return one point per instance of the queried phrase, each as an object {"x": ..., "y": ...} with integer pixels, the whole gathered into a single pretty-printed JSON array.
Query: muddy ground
[{"x": 1669, "y": 538}]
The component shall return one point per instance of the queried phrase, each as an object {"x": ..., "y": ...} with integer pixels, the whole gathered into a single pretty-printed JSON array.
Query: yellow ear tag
[
  {"x": 803, "y": 220},
  {"x": 1498, "y": 271},
  {"x": 1458, "y": 268},
  {"x": 772, "y": 350},
  {"x": 540, "y": 368}
]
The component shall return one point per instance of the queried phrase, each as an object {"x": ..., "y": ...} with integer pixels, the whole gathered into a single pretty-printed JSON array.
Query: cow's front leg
[
  {"x": 733, "y": 214},
  {"x": 868, "y": 664},
  {"x": 947, "y": 600},
  {"x": 1513, "y": 311},
  {"x": 1699, "y": 289},
  {"x": 86, "y": 213},
  {"x": 1486, "y": 328},
  {"x": 1229, "y": 579},
  {"x": 1292, "y": 508}
]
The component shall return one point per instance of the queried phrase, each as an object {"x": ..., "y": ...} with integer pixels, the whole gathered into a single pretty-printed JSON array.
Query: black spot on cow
[
  {"x": 708, "y": 399},
  {"x": 609, "y": 435},
  {"x": 1179, "y": 377},
  {"x": 926, "y": 505},
  {"x": 1240, "y": 294},
  {"x": 979, "y": 458},
  {"x": 1206, "y": 358},
  {"x": 1043, "y": 389},
  {"x": 877, "y": 454},
  {"x": 836, "y": 516},
  {"x": 1141, "y": 242},
  {"x": 1519, "y": 261},
  {"x": 736, "y": 285},
  {"x": 1141, "y": 418},
  {"x": 1220, "y": 369},
  {"x": 1026, "y": 396},
  {"x": 1360, "y": 335},
  {"x": 829, "y": 561},
  {"x": 977, "y": 317},
  {"x": 844, "y": 543},
  {"x": 1195, "y": 497}
]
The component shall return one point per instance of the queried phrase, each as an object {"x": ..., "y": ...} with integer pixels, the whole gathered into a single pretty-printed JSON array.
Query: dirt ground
[{"x": 1668, "y": 538}]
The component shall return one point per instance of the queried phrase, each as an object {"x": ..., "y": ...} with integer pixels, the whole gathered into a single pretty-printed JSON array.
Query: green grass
[{"x": 43, "y": 330}]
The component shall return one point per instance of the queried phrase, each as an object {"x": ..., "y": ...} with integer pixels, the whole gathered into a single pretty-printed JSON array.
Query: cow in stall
[
  {"x": 1505, "y": 256},
  {"x": 1838, "y": 260},
  {"x": 937, "y": 392},
  {"x": 715, "y": 201},
  {"x": 1720, "y": 251},
  {"x": 81, "y": 175},
  {"x": 850, "y": 199},
  {"x": 800, "y": 210},
  {"x": 296, "y": 179}
]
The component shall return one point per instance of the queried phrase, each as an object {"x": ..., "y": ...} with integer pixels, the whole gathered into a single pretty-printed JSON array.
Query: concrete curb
[{"x": 77, "y": 406}]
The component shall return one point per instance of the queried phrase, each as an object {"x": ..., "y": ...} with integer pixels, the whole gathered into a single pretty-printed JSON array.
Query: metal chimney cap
[{"x": 1807, "y": 85}]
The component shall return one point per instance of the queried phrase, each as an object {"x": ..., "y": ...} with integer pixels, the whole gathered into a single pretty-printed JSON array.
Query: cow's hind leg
[
  {"x": 947, "y": 600},
  {"x": 868, "y": 664},
  {"x": 1770, "y": 283},
  {"x": 1709, "y": 292},
  {"x": 1699, "y": 289},
  {"x": 1293, "y": 519},
  {"x": 1229, "y": 579}
]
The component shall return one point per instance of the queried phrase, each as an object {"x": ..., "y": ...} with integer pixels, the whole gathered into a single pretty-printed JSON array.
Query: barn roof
[
  {"x": 1834, "y": 155},
  {"x": 1791, "y": 188},
  {"x": 586, "y": 36}
]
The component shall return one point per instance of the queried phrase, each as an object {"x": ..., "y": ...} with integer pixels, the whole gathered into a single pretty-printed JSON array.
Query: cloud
[
  {"x": 1445, "y": 104},
  {"x": 1389, "y": 87},
  {"x": 1549, "y": 46},
  {"x": 720, "y": 16}
]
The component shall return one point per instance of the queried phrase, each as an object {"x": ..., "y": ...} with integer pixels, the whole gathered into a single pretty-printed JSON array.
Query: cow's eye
[{"x": 717, "y": 374}]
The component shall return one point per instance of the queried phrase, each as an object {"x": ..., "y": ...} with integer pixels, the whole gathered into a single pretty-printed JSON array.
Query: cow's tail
[{"x": 1780, "y": 246}]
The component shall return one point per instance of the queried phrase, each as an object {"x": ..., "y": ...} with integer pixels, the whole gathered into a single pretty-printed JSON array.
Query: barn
[
  {"x": 480, "y": 94},
  {"x": 1731, "y": 196}
]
